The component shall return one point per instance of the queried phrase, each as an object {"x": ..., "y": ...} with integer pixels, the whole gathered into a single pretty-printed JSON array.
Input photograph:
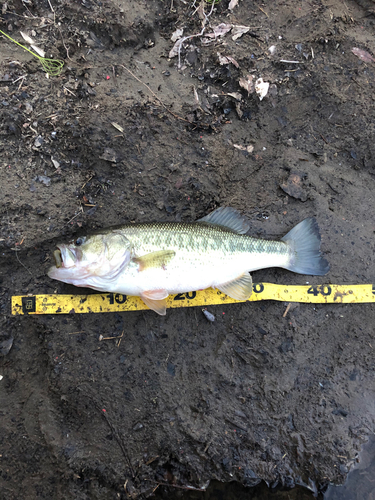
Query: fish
[{"x": 154, "y": 260}]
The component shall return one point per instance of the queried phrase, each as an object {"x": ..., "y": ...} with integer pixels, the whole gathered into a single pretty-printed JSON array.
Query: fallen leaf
[
  {"x": 236, "y": 95},
  {"x": 247, "y": 84},
  {"x": 116, "y": 125},
  {"x": 232, "y": 4},
  {"x": 200, "y": 10},
  {"x": 272, "y": 49},
  {"x": 27, "y": 39},
  {"x": 248, "y": 149},
  {"x": 261, "y": 88},
  {"x": 239, "y": 110},
  {"x": 38, "y": 50},
  {"x": 175, "y": 49},
  {"x": 363, "y": 55},
  {"x": 227, "y": 60},
  {"x": 55, "y": 163},
  {"x": 177, "y": 34},
  {"x": 220, "y": 30},
  {"x": 238, "y": 31}
]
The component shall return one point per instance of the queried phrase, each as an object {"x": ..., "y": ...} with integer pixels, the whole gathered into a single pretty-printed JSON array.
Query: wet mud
[{"x": 127, "y": 133}]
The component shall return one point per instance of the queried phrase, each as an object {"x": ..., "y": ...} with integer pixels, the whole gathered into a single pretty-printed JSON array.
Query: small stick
[
  {"x": 153, "y": 93},
  {"x": 19, "y": 78},
  {"x": 287, "y": 309},
  {"x": 23, "y": 265},
  {"x": 188, "y": 488},
  {"x": 76, "y": 215}
]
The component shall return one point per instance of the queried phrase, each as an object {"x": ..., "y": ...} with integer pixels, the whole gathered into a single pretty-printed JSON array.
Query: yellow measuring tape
[{"x": 115, "y": 302}]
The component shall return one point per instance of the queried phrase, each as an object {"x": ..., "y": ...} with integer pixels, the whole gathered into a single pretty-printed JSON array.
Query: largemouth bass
[{"x": 153, "y": 260}]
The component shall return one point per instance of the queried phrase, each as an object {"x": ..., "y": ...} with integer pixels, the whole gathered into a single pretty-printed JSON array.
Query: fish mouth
[
  {"x": 65, "y": 257},
  {"x": 58, "y": 258}
]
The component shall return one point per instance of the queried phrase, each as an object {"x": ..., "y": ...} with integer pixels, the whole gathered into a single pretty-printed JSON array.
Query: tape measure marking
[{"x": 116, "y": 302}]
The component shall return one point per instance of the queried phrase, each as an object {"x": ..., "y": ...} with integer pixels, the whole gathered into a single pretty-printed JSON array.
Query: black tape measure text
[
  {"x": 324, "y": 290},
  {"x": 116, "y": 298},
  {"x": 186, "y": 295}
]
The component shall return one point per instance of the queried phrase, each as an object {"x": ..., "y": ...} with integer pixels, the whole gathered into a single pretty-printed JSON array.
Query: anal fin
[
  {"x": 156, "y": 300},
  {"x": 239, "y": 289}
]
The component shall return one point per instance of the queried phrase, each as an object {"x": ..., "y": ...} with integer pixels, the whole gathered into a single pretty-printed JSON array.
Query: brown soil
[{"x": 254, "y": 395}]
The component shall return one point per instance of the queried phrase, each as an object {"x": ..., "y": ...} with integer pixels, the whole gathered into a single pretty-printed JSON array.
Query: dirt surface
[{"x": 182, "y": 401}]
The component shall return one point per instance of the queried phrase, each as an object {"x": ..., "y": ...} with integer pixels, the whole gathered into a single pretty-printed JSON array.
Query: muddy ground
[{"x": 180, "y": 401}]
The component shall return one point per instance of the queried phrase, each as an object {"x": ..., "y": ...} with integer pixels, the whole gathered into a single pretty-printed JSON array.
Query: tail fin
[{"x": 304, "y": 241}]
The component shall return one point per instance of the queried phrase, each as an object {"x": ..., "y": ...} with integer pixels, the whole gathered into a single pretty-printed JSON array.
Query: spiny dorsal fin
[
  {"x": 227, "y": 217},
  {"x": 239, "y": 289}
]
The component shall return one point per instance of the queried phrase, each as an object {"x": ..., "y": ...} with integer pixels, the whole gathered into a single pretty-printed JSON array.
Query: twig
[
  {"x": 287, "y": 309},
  {"x": 23, "y": 265},
  {"x": 119, "y": 442},
  {"x": 187, "y": 487},
  {"x": 66, "y": 48},
  {"x": 153, "y": 93},
  {"x": 19, "y": 78},
  {"x": 197, "y": 34},
  {"x": 69, "y": 91},
  {"x": 76, "y": 215},
  {"x": 324, "y": 139}
]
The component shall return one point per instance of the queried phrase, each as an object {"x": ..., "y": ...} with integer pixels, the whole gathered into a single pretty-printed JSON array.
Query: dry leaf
[
  {"x": 227, "y": 60},
  {"x": 174, "y": 51},
  {"x": 247, "y": 83},
  {"x": 238, "y": 31},
  {"x": 220, "y": 30},
  {"x": 116, "y": 125},
  {"x": 363, "y": 55},
  {"x": 272, "y": 49},
  {"x": 248, "y": 149},
  {"x": 261, "y": 88},
  {"x": 232, "y": 4},
  {"x": 27, "y": 39},
  {"x": 177, "y": 34},
  {"x": 236, "y": 95},
  {"x": 239, "y": 110},
  {"x": 196, "y": 96},
  {"x": 200, "y": 11},
  {"x": 38, "y": 50},
  {"x": 56, "y": 164}
]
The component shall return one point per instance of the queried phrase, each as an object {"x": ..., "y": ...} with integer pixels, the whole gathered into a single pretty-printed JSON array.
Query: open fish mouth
[
  {"x": 58, "y": 258},
  {"x": 66, "y": 256}
]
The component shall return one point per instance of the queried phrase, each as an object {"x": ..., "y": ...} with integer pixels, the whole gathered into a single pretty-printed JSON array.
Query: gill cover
[{"x": 96, "y": 258}]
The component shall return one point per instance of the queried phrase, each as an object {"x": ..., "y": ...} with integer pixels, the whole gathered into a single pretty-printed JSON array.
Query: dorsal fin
[{"x": 229, "y": 218}]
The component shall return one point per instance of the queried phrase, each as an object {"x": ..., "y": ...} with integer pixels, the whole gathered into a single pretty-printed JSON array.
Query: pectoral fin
[
  {"x": 156, "y": 300},
  {"x": 239, "y": 289},
  {"x": 154, "y": 259}
]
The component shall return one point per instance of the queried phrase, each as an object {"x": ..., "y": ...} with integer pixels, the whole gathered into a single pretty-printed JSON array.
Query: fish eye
[{"x": 79, "y": 241}]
